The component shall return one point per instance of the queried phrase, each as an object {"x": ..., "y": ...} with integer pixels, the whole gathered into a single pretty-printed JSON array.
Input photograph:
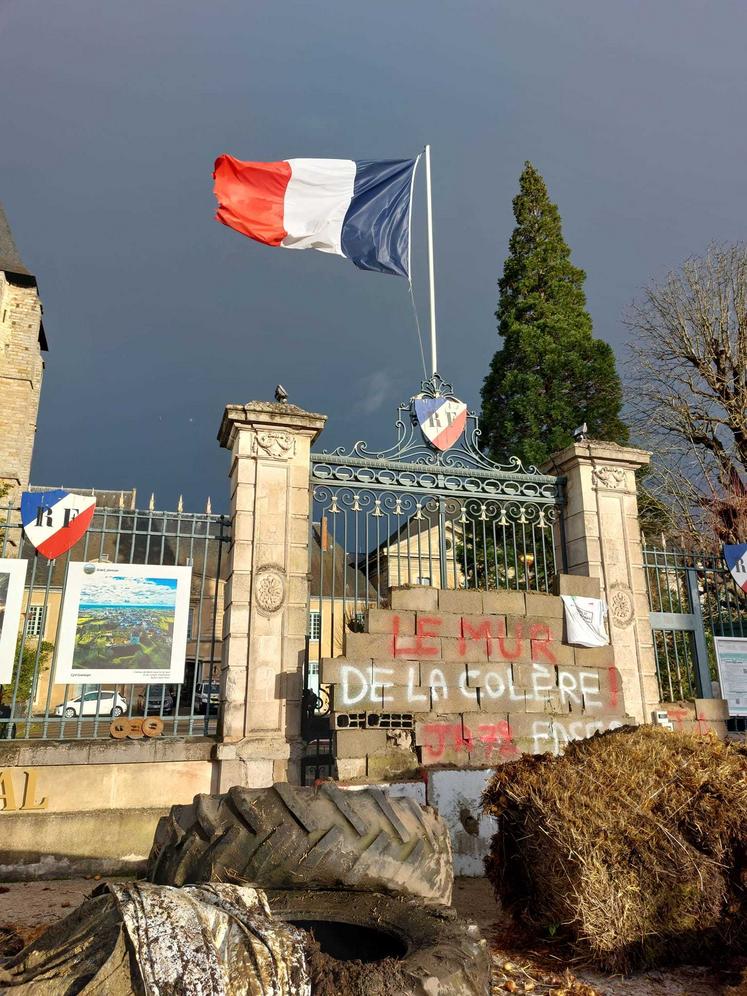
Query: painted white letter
[
  {"x": 468, "y": 693},
  {"x": 494, "y": 685},
  {"x": 377, "y": 674},
  {"x": 411, "y": 696},
  {"x": 347, "y": 697},
  {"x": 567, "y": 685},
  {"x": 437, "y": 679}
]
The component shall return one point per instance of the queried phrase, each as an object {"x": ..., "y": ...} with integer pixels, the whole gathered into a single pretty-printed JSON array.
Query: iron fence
[
  {"x": 34, "y": 706},
  {"x": 693, "y": 599}
]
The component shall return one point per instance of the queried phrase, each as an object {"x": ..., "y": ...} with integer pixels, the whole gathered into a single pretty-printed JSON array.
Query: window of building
[
  {"x": 192, "y": 622},
  {"x": 34, "y": 620},
  {"x": 424, "y": 580},
  {"x": 315, "y": 625}
]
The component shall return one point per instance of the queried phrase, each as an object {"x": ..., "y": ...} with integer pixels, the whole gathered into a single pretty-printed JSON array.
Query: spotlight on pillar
[{"x": 281, "y": 394}]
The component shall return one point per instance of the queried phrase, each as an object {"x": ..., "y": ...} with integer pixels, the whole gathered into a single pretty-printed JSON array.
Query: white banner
[
  {"x": 12, "y": 577},
  {"x": 585, "y": 621},
  {"x": 123, "y": 623}
]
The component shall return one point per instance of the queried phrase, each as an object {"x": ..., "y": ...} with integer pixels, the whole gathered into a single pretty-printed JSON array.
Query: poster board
[
  {"x": 123, "y": 623},
  {"x": 731, "y": 657},
  {"x": 12, "y": 578}
]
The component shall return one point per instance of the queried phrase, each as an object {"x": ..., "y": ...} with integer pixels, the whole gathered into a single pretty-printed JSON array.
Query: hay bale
[{"x": 632, "y": 843}]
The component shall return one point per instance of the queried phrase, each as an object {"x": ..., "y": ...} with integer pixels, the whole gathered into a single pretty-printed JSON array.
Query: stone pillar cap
[
  {"x": 278, "y": 414},
  {"x": 595, "y": 450}
]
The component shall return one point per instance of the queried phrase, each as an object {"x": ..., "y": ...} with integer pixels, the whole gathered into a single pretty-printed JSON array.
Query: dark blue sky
[{"x": 111, "y": 117}]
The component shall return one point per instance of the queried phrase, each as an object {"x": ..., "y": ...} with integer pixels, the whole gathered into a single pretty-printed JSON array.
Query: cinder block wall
[{"x": 467, "y": 678}]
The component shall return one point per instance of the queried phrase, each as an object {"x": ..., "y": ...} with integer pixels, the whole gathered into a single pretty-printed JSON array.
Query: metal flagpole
[{"x": 431, "y": 281}]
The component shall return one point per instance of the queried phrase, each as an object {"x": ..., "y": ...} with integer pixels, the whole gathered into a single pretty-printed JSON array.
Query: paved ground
[{"x": 519, "y": 968}]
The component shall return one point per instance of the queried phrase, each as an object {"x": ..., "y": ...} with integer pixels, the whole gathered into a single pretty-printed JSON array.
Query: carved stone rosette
[
  {"x": 608, "y": 477},
  {"x": 277, "y": 445},
  {"x": 621, "y": 605},
  {"x": 269, "y": 588}
]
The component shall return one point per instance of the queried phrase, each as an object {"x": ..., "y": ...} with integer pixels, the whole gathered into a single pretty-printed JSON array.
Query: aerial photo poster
[
  {"x": 12, "y": 577},
  {"x": 731, "y": 656},
  {"x": 123, "y": 623}
]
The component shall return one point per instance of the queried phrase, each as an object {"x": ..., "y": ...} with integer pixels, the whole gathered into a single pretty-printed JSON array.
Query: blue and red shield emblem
[
  {"x": 54, "y": 521},
  {"x": 441, "y": 420},
  {"x": 736, "y": 560}
]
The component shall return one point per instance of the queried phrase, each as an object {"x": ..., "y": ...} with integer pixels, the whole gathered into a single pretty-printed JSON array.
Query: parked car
[
  {"x": 99, "y": 703},
  {"x": 160, "y": 701},
  {"x": 207, "y": 693}
]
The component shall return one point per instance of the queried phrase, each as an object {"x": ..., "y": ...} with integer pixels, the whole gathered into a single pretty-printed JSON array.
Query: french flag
[{"x": 357, "y": 209}]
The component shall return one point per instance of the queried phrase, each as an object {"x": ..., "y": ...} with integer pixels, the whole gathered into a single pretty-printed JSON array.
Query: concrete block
[
  {"x": 485, "y": 723},
  {"x": 441, "y": 624},
  {"x": 451, "y": 756},
  {"x": 711, "y": 727},
  {"x": 387, "y": 622},
  {"x": 461, "y": 601},
  {"x": 510, "y": 603},
  {"x": 553, "y": 652},
  {"x": 712, "y": 709},
  {"x": 594, "y": 656},
  {"x": 392, "y": 763},
  {"x": 464, "y": 650},
  {"x": 434, "y": 726},
  {"x": 526, "y": 745},
  {"x": 485, "y": 703},
  {"x": 401, "y": 672},
  {"x": 547, "y": 702},
  {"x": 516, "y": 646},
  {"x": 539, "y": 604},
  {"x": 405, "y": 699},
  {"x": 368, "y": 645},
  {"x": 419, "y": 598},
  {"x": 358, "y": 743},
  {"x": 582, "y": 687},
  {"x": 452, "y": 673},
  {"x": 330, "y": 669},
  {"x": 543, "y": 628},
  {"x": 523, "y": 674},
  {"x": 482, "y": 627},
  {"x": 575, "y": 584},
  {"x": 521, "y": 726},
  {"x": 349, "y": 768}
]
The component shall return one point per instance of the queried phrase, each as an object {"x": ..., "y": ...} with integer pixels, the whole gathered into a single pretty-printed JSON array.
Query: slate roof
[
  {"x": 10, "y": 258},
  {"x": 13, "y": 266}
]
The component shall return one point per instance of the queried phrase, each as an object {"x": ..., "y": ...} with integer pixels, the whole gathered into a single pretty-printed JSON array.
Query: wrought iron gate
[
  {"x": 416, "y": 514},
  {"x": 693, "y": 599}
]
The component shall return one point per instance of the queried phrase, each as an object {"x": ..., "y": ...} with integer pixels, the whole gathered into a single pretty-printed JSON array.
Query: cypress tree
[{"x": 550, "y": 375}]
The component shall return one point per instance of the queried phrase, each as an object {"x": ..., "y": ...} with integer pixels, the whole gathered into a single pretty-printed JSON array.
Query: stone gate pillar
[
  {"x": 603, "y": 539},
  {"x": 267, "y": 591}
]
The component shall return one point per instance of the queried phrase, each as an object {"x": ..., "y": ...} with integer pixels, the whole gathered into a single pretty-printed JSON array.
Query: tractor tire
[
  {"x": 375, "y": 945},
  {"x": 302, "y": 838}
]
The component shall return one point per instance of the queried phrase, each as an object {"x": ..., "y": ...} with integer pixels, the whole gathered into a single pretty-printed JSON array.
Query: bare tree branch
[{"x": 688, "y": 391}]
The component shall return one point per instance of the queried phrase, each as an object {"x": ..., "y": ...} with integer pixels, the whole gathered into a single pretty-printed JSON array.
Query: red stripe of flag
[
  {"x": 68, "y": 536},
  {"x": 251, "y": 197}
]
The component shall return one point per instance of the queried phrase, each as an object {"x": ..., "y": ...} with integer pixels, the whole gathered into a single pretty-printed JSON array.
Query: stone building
[{"x": 22, "y": 342}]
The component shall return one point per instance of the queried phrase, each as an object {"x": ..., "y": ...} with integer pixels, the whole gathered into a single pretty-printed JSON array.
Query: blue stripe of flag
[{"x": 375, "y": 232}]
